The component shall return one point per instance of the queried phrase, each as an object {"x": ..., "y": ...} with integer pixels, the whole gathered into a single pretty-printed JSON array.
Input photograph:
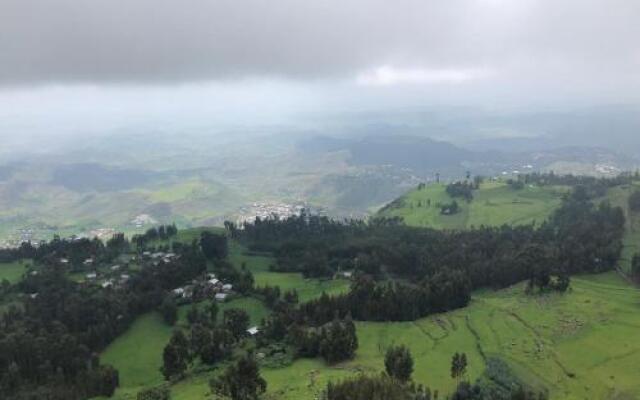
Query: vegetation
[
  {"x": 241, "y": 380},
  {"x": 440, "y": 287},
  {"x": 398, "y": 363}
]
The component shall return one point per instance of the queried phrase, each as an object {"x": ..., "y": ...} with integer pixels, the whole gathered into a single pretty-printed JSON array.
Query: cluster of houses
[
  {"x": 209, "y": 287},
  {"x": 158, "y": 256}
]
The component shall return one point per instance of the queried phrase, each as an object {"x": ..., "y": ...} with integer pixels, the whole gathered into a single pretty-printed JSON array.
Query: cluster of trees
[
  {"x": 382, "y": 387},
  {"x": 207, "y": 339},
  {"x": 369, "y": 300},
  {"x": 240, "y": 381},
  {"x": 273, "y": 296},
  {"x": 394, "y": 384},
  {"x": 162, "y": 232},
  {"x": 596, "y": 187},
  {"x": 515, "y": 184},
  {"x": 634, "y": 201},
  {"x": 442, "y": 266},
  {"x": 450, "y": 208},
  {"x": 498, "y": 382},
  {"x": 462, "y": 189},
  {"x": 334, "y": 341},
  {"x": 214, "y": 246},
  {"x": 51, "y": 343}
]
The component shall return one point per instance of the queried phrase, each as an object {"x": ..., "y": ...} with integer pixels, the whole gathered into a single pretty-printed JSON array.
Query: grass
[
  {"x": 259, "y": 264},
  {"x": 579, "y": 345},
  {"x": 494, "y": 204},
  {"x": 137, "y": 354},
  {"x": 13, "y": 271}
]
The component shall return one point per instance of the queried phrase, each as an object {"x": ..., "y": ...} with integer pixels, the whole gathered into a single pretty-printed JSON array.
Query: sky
[{"x": 78, "y": 66}]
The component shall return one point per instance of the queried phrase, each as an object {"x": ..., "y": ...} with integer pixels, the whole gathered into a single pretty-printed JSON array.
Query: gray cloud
[{"x": 576, "y": 42}]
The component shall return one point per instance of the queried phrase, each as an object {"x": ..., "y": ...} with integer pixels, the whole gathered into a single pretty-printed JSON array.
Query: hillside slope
[{"x": 494, "y": 204}]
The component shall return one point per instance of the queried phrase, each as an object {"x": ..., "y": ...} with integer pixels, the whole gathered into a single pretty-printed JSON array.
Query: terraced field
[
  {"x": 579, "y": 345},
  {"x": 493, "y": 204}
]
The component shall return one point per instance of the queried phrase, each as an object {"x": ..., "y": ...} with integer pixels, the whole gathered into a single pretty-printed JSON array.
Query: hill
[{"x": 493, "y": 204}]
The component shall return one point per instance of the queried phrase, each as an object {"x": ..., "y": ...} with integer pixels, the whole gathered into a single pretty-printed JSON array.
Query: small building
[
  {"x": 115, "y": 267},
  {"x": 227, "y": 287},
  {"x": 178, "y": 292},
  {"x": 88, "y": 261},
  {"x": 253, "y": 330},
  {"x": 214, "y": 282},
  {"x": 92, "y": 275},
  {"x": 221, "y": 297},
  {"x": 107, "y": 283},
  {"x": 34, "y": 296},
  {"x": 64, "y": 261}
]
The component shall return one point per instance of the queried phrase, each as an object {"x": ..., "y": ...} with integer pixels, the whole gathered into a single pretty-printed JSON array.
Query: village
[{"x": 115, "y": 276}]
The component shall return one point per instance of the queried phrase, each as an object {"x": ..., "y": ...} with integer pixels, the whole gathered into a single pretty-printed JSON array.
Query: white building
[
  {"x": 253, "y": 330},
  {"x": 221, "y": 297}
]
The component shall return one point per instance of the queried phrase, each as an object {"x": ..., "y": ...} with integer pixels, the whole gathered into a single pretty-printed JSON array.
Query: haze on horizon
[{"x": 82, "y": 67}]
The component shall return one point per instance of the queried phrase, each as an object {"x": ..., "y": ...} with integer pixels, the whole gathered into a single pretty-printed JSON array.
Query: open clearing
[
  {"x": 12, "y": 271},
  {"x": 494, "y": 204}
]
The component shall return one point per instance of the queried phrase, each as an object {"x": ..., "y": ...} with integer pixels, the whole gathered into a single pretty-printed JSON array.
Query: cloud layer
[{"x": 584, "y": 42}]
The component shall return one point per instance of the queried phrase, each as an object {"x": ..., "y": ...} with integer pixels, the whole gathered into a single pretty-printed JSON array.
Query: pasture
[
  {"x": 578, "y": 345},
  {"x": 13, "y": 271},
  {"x": 494, "y": 204}
]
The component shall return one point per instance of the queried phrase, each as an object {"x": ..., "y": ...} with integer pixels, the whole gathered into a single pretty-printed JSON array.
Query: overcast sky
[{"x": 73, "y": 63}]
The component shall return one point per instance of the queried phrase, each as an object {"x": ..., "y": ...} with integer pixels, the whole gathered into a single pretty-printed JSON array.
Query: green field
[
  {"x": 12, "y": 271},
  {"x": 580, "y": 345},
  {"x": 494, "y": 204},
  {"x": 137, "y": 354},
  {"x": 545, "y": 339},
  {"x": 259, "y": 264}
]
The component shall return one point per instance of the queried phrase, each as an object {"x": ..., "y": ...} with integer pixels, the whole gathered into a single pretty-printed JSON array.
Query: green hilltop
[{"x": 494, "y": 203}]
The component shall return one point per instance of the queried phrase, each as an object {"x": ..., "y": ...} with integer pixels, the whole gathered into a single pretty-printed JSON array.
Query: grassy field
[
  {"x": 259, "y": 265},
  {"x": 494, "y": 204},
  {"x": 137, "y": 354},
  {"x": 580, "y": 345},
  {"x": 12, "y": 271}
]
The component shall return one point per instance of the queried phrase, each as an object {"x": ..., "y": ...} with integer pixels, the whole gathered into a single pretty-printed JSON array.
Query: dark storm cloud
[{"x": 187, "y": 40}]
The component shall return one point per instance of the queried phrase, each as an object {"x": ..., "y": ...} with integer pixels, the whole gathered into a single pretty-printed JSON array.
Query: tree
[
  {"x": 635, "y": 265},
  {"x": 458, "y": 366},
  {"x": 398, "y": 363},
  {"x": 214, "y": 247},
  {"x": 634, "y": 201},
  {"x": 169, "y": 311},
  {"x": 240, "y": 381},
  {"x": 338, "y": 341},
  {"x": 236, "y": 321},
  {"x": 218, "y": 347},
  {"x": 176, "y": 356},
  {"x": 212, "y": 311}
]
